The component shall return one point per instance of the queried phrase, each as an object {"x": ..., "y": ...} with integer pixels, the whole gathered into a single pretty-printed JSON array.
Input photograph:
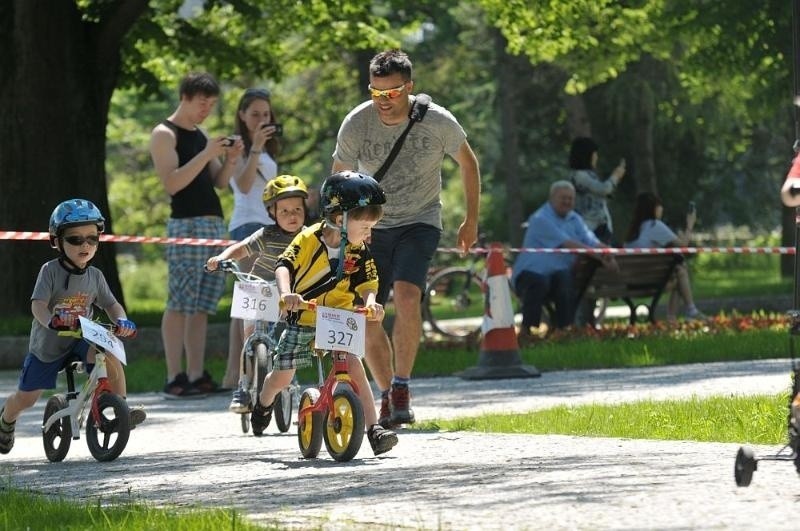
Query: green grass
[
  {"x": 712, "y": 284},
  {"x": 730, "y": 419},
  {"x": 22, "y": 509},
  {"x": 146, "y": 373}
]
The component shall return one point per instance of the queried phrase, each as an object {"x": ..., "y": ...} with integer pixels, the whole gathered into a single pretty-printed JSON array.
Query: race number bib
[
  {"x": 256, "y": 301},
  {"x": 340, "y": 330},
  {"x": 102, "y": 337}
]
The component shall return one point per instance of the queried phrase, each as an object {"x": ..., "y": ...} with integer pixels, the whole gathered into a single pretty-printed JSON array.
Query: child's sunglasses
[
  {"x": 391, "y": 93},
  {"x": 77, "y": 241}
]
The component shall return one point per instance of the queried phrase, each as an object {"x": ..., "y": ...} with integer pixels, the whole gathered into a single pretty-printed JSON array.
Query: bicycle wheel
[
  {"x": 58, "y": 438},
  {"x": 454, "y": 302},
  {"x": 262, "y": 365},
  {"x": 107, "y": 435},
  {"x": 344, "y": 429},
  {"x": 283, "y": 410},
  {"x": 309, "y": 425}
]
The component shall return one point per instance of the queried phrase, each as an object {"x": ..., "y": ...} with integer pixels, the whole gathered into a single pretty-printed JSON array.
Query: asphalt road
[{"x": 194, "y": 453}]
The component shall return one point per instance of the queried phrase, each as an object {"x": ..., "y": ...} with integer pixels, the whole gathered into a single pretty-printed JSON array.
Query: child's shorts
[
  {"x": 37, "y": 374},
  {"x": 295, "y": 347}
]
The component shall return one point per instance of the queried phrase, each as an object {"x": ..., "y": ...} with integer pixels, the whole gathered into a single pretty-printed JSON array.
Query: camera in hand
[
  {"x": 229, "y": 141},
  {"x": 278, "y": 131}
]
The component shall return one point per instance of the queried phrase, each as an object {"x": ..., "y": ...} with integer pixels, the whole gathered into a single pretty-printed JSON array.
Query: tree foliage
[{"x": 695, "y": 94}]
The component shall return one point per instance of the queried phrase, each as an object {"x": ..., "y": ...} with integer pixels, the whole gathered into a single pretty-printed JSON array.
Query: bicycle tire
[
  {"x": 309, "y": 425},
  {"x": 283, "y": 410},
  {"x": 454, "y": 303},
  {"x": 344, "y": 427},
  {"x": 58, "y": 438},
  {"x": 108, "y": 435},
  {"x": 262, "y": 365}
]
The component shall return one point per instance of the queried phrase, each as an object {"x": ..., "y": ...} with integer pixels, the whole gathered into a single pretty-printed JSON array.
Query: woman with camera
[
  {"x": 256, "y": 124},
  {"x": 648, "y": 231}
]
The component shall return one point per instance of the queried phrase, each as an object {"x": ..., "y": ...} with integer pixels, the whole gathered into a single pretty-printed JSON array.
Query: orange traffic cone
[{"x": 499, "y": 355}]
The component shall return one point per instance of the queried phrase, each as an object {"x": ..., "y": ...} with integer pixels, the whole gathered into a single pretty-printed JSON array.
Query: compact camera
[
  {"x": 278, "y": 129},
  {"x": 229, "y": 141}
]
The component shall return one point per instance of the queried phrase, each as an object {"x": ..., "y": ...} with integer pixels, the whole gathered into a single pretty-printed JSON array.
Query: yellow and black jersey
[{"x": 313, "y": 277}]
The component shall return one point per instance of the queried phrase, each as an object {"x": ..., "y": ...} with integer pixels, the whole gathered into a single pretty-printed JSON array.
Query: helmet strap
[
  {"x": 70, "y": 267},
  {"x": 342, "y": 245}
]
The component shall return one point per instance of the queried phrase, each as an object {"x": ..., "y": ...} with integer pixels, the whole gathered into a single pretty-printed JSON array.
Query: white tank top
[{"x": 249, "y": 207}]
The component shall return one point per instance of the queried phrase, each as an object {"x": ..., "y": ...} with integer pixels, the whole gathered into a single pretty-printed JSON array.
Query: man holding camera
[
  {"x": 405, "y": 240},
  {"x": 188, "y": 164}
]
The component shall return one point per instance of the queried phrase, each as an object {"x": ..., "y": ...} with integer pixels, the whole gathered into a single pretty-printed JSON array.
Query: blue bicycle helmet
[
  {"x": 74, "y": 213},
  {"x": 346, "y": 190}
]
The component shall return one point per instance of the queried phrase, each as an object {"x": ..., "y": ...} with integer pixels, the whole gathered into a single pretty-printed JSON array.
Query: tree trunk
[
  {"x": 509, "y": 87},
  {"x": 56, "y": 79},
  {"x": 578, "y": 122},
  {"x": 788, "y": 236}
]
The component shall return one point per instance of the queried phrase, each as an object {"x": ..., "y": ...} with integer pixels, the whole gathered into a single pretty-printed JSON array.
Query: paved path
[{"x": 193, "y": 452}]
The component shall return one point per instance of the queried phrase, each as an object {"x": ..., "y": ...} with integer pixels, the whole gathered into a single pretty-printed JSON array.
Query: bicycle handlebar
[
  {"x": 78, "y": 332},
  {"x": 231, "y": 266},
  {"x": 311, "y": 306}
]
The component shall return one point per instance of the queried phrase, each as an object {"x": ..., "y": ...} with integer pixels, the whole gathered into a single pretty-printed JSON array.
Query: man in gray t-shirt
[{"x": 404, "y": 241}]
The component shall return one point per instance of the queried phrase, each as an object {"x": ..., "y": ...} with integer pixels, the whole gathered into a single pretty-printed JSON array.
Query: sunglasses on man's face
[
  {"x": 391, "y": 93},
  {"x": 77, "y": 241}
]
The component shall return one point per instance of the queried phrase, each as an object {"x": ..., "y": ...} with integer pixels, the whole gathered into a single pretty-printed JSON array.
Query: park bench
[{"x": 638, "y": 276}]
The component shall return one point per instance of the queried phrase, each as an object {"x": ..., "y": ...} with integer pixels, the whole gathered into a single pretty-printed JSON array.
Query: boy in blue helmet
[
  {"x": 330, "y": 262},
  {"x": 66, "y": 288}
]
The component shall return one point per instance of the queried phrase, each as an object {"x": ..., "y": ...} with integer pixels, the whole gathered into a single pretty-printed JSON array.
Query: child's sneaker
[
  {"x": 260, "y": 417},
  {"x": 381, "y": 439},
  {"x": 400, "y": 405},
  {"x": 240, "y": 403},
  {"x": 384, "y": 417},
  {"x": 6, "y": 434},
  {"x": 137, "y": 416}
]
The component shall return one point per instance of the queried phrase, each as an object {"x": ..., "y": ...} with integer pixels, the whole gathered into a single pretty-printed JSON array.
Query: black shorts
[{"x": 403, "y": 253}]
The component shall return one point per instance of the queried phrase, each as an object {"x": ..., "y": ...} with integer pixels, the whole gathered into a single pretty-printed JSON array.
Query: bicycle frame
[
  {"x": 96, "y": 383},
  {"x": 338, "y": 373}
]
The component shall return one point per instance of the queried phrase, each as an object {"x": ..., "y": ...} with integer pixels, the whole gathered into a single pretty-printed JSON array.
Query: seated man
[{"x": 537, "y": 277}]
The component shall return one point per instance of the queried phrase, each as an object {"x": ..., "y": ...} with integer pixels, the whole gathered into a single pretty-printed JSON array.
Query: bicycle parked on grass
[
  {"x": 332, "y": 411},
  {"x": 254, "y": 296},
  {"x": 455, "y": 299},
  {"x": 108, "y": 422}
]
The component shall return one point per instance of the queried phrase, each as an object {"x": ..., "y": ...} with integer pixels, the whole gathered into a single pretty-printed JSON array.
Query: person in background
[
  {"x": 648, "y": 231},
  {"x": 406, "y": 238},
  {"x": 255, "y": 123},
  {"x": 538, "y": 277},
  {"x": 591, "y": 202},
  {"x": 592, "y": 193},
  {"x": 66, "y": 288},
  {"x": 188, "y": 164},
  {"x": 285, "y": 198}
]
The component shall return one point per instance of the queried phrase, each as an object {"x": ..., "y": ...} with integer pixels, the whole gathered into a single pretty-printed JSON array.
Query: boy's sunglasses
[
  {"x": 391, "y": 93},
  {"x": 77, "y": 241}
]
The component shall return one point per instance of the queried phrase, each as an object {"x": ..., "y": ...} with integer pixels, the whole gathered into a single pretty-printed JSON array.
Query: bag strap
[{"x": 415, "y": 114}]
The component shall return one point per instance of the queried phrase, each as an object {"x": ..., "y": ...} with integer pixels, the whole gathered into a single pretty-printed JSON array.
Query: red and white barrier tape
[
  {"x": 18, "y": 235},
  {"x": 22, "y": 235},
  {"x": 626, "y": 251}
]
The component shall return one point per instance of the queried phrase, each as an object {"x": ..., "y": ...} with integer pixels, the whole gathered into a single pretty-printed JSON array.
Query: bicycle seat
[{"x": 72, "y": 363}]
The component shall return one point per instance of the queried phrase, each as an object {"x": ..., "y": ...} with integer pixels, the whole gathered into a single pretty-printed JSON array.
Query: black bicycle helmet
[
  {"x": 346, "y": 190},
  {"x": 74, "y": 213}
]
